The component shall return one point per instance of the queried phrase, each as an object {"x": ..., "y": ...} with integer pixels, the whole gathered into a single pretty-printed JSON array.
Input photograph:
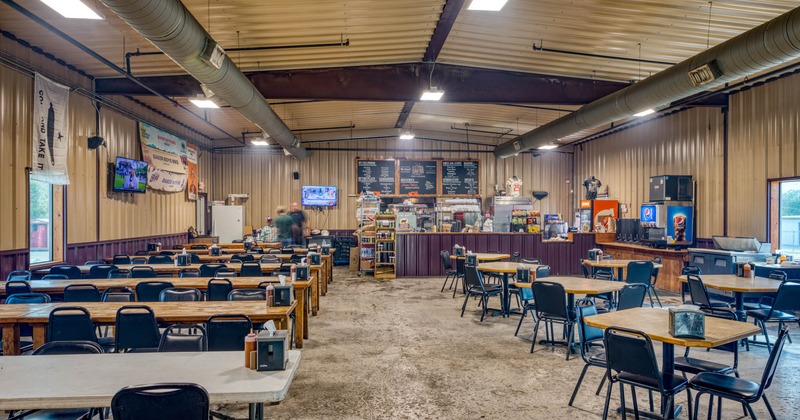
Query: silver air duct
[
  {"x": 173, "y": 30},
  {"x": 765, "y": 46}
]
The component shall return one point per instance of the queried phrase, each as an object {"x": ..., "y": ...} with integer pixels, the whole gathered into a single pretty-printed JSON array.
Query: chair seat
[
  {"x": 719, "y": 304},
  {"x": 726, "y": 384},
  {"x": 450, "y": 272},
  {"x": 695, "y": 366},
  {"x": 762, "y": 314},
  {"x": 489, "y": 290},
  {"x": 598, "y": 359},
  {"x": 672, "y": 383},
  {"x": 750, "y": 306}
]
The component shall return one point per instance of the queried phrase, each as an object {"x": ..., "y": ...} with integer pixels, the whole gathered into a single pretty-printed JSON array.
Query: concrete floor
[{"x": 398, "y": 349}]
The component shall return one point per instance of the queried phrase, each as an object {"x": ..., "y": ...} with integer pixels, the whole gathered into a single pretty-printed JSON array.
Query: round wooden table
[
  {"x": 620, "y": 265},
  {"x": 484, "y": 256},
  {"x": 506, "y": 268}
]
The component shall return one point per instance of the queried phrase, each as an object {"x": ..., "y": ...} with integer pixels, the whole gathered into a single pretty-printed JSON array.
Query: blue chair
[
  {"x": 71, "y": 271},
  {"x": 19, "y": 275},
  {"x": 100, "y": 271},
  {"x": 641, "y": 272}
]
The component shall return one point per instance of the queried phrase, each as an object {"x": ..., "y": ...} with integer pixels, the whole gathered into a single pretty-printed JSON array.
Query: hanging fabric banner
[
  {"x": 161, "y": 140},
  {"x": 165, "y": 180},
  {"x": 50, "y": 131},
  {"x": 162, "y": 160},
  {"x": 191, "y": 186}
]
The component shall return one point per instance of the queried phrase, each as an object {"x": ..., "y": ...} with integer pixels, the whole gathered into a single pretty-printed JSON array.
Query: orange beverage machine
[{"x": 598, "y": 215}]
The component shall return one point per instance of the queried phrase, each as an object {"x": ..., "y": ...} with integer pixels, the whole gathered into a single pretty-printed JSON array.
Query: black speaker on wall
[
  {"x": 296, "y": 175},
  {"x": 95, "y": 142}
]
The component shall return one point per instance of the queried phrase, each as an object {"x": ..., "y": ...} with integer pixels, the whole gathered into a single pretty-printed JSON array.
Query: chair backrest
[
  {"x": 639, "y": 272},
  {"x": 143, "y": 272},
  {"x": 195, "y": 258},
  {"x": 81, "y": 293},
  {"x": 515, "y": 256},
  {"x": 778, "y": 275},
  {"x": 183, "y": 338},
  {"x": 697, "y": 291},
  {"x": 139, "y": 260},
  {"x": 692, "y": 269},
  {"x": 787, "y": 299},
  {"x": 94, "y": 262},
  {"x": 587, "y": 335},
  {"x": 142, "y": 253},
  {"x": 244, "y": 257},
  {"x": 460, "y": 266},
  {"x": 730, "y": 315},
  {"x": 198, "y": 246},
  {"x": 71, "y": 271},
  {"x": 632, "y": 352},
  {"x": 19, "y": 275},
  {"x": 161, "y": 401},
  {"x": 100, "y": 271},
  {"x": 26, "y": 298},
  {"x": 136, "y": 328},
  {"x": 225, "y": 272},
  {"x": 189, "y": 272},
  {"x": 551, "y": 299},
  {"x": 227, "y": 332},
  {"x": 119, "y": 273},
  {"x": 70, "y": 323},
  {"x": 160, "y": 259},
  {"x": 167, "y": 252},
  {"x": 772, "y": 362},
  {"x": 180, "y": 294},
  {"x": 121, "y": 260},
  {"x": 274, "y": 251},
  {"x": 536, "y": 261},
  {"x": 68, "y": 347},
  {"x": 296, "y": 259},
  {"x": 55, "y": 277},
  {"x": 584, "y": 269},
  {"x": 150, "y": 291},
  {"x": 210, "y": 270},
  {"x": 270, "y": 259},
  {"x": 118, "y": 294},
  {"x": 542, "y": 271},
  {"x": 247, "y": 294},
  {"x": 17, "y": 286},
  {"x": 444, "y": 255},
  {"x": 218, "y": 289},
  {"x": 631, "y": 296},
  {"x": 472, "y": 278},
  {"x": 250, "y": 269}
]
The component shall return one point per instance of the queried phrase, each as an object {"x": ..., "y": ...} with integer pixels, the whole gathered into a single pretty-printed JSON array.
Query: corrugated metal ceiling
[{"x": 399, "y": 32}]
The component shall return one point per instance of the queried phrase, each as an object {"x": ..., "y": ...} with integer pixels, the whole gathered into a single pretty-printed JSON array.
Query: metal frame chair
[
  {"x": 250, "y": 269},
  {"x": 227, "y": 332},
  {"x": 699, "y": 294},
  {"x": 150, "y": 291},
  {"x": 247, "y": 294},
  {"x": 475, "y": 286},
  {"x": 641, "y": 272},
  {"x": 19, "y": 275},
  {"x": 783, "y": 310},
  {"x": 588, "y": 336},
  {"x": 166, "y": 401},
  {"x": 180, "y": 294},
  {"x": 173, "y": 339},
  {"x": 218, "y": 289},
  {"x": 81, "y": 293},
  {"x": 136, "y": 329},
  {"x": 631, "y": 296},
  {"x": 210, "y": 270},
  {"x": 447, "y": 267},
  {"x": 551, "y": 307},
  {"x": 143, "y": 272},
  {"x": 100, "y": 271},
  {"x": 70, "y": 323},
  {"x": 160, "y": 259}
]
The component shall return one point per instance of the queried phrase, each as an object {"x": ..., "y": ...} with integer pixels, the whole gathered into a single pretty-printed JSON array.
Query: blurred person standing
[
  {"x": 268, "y": 233},
  {"x": 284, "y": 223},
  {"x": 300, "y": 223}
]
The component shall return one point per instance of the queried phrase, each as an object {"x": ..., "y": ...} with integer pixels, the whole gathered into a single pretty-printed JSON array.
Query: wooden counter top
[
  {"x": 643, "y": 248},
  {"x": 487, "y": 233}
]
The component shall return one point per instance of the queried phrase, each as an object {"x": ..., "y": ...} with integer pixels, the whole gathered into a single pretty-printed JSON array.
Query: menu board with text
[
  {"x": 376, "y": 175},
  {"x": 460, "y": 177},
  {"x": 418, "y": 177}
]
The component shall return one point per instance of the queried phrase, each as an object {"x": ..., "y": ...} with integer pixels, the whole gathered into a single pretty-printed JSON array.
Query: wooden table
[
  {"x": 482, "y": 256},
  {"x": 301, "y": 287},
  {"x": 739, "y": 286},
  {"x": 59, "y": 382},
  {"x": 581, "y": 286},
  {"x": 506, "y": 268},
  {"x": 37, "y": 315},
  {"x": 204, "y": 257},
  {"x": 620, "y": 265},
  {"x": 655, "y": 323}
]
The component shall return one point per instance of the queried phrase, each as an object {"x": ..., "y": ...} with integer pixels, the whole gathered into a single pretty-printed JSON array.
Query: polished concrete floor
[{"x": 399, "y": 349}]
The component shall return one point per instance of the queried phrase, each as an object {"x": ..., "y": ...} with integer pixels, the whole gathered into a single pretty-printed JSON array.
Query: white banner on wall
[
  {"x": 165, "y": 180},
  {"x": 50, "y": 131},
  {"x": 153, "y": 137},
  {"x": 163, "y": 160}
]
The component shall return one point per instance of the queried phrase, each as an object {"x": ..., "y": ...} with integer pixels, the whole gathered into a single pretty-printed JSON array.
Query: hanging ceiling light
[
  {"x": 487, "y": 5},
  {"x": 432, "y": 94},
  {"x": 407, "y": 135},
  {"x": 201, "y": 101},
  {"x": 73, "y": 9},
  {"x": 259, "y": 142}
]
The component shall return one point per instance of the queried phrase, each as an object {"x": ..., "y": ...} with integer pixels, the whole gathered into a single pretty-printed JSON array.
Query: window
[
  {"x": 788, "y": 226},
  {"x": 41, "y": 222}
]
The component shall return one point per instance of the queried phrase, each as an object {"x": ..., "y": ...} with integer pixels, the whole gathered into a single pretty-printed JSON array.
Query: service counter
[
  {"x": 418, "y": 253},
  {"x": 673, "y": 261}
]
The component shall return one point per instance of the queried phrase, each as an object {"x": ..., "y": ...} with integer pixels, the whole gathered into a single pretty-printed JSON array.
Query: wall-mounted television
[
  {"x": 319, "y": 196},
  {"x": 130, "y": 175}
]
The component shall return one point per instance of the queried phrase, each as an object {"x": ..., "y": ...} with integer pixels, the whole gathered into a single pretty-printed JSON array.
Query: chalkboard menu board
[
  {"x": 376, "y": 176},
  {"x": 418, "y": 177},
  {"x": 460, "y": 177}
]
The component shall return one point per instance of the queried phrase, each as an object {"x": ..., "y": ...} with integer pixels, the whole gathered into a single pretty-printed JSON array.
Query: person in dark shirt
[
  {"x": 300, "y": 221},
  {"x": 284, "y": 223}
]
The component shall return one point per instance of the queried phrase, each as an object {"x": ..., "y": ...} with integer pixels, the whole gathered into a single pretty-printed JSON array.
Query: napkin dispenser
[
  {"x": 687, "y": 321},
  {"x": 247, "y": 246},
  {"x": 272, "y": 352},
  {"x": 183, "y": 259},
  {"x": 283, "y": 295},
  {"x": 314, "y": 258},
  {"x": 302, "y": 271},
  {"x": 152, "y": 247},
  {"x": 471, "y": 260},
  {"x": 523, "y": 275},
  {"x": 458, "y": 251},
  {"x": 593, "y": 254},
  {"x": 215, "y": 251},
  {"x": 326, "y": 250}
]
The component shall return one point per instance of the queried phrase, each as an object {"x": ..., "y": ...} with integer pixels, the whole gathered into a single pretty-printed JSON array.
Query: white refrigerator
[{"x": 227, "y": 222}]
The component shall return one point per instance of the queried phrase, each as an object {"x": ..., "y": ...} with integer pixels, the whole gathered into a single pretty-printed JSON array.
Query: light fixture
[
  {"x": 645, "y": 112},
  {"x": 201, "y": 101},
  {"x": 432, "y": 94},
  {"x": 259, "y": 142},
  {"x": 487, "y": 5},
  {"x": 550, "y": 146},
  {"x": 407, "y": 135},
  {"x": 73, "y": 9}
]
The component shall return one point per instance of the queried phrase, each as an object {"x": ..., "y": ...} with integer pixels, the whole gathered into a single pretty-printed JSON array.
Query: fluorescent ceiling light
[
  {"x": 487, "y": 5},
  {"x": 407, "y": 136},
  {"x": 548, "y": 147},
  {"x": 203, "y": 102},
  {"x": 645, "y": 112},
  {"x": 72, "y": 9},
  {"x": 432, "y": 94},
  {"x": 259, "y": 143}
]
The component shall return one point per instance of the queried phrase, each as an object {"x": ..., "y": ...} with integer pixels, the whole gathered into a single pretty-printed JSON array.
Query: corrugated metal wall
[
  {"x": 82, "y": 165},
  {"x": 685, "y": 143},
  {"x": 268, "y": 178},
  {"x": 763, "y": 143}
]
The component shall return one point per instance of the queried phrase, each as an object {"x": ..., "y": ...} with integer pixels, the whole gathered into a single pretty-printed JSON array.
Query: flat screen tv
[
  {"x": 130, "y": 175},
  {"x": 319, "y": 196}
]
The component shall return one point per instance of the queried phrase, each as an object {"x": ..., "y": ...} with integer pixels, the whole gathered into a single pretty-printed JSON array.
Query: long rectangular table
[
  {"x": 301, "y": 287},
  {"x": 37, "y": 315},
  {"x": 60, "y": 382}
]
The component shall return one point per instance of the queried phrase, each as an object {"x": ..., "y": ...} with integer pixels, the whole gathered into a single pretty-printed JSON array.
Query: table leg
[
  {"x": 741, "y": 315},
  {"x": 506, "y": 301},
  {"x": 620, "y": 274},
  {"x": 10, "y": 339},
  {"x": 39, "y": 331},
  {"x": 256, "y": 411},
  {"x": 315, "y": 294},
  {"x": 299, "y": 321}
]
